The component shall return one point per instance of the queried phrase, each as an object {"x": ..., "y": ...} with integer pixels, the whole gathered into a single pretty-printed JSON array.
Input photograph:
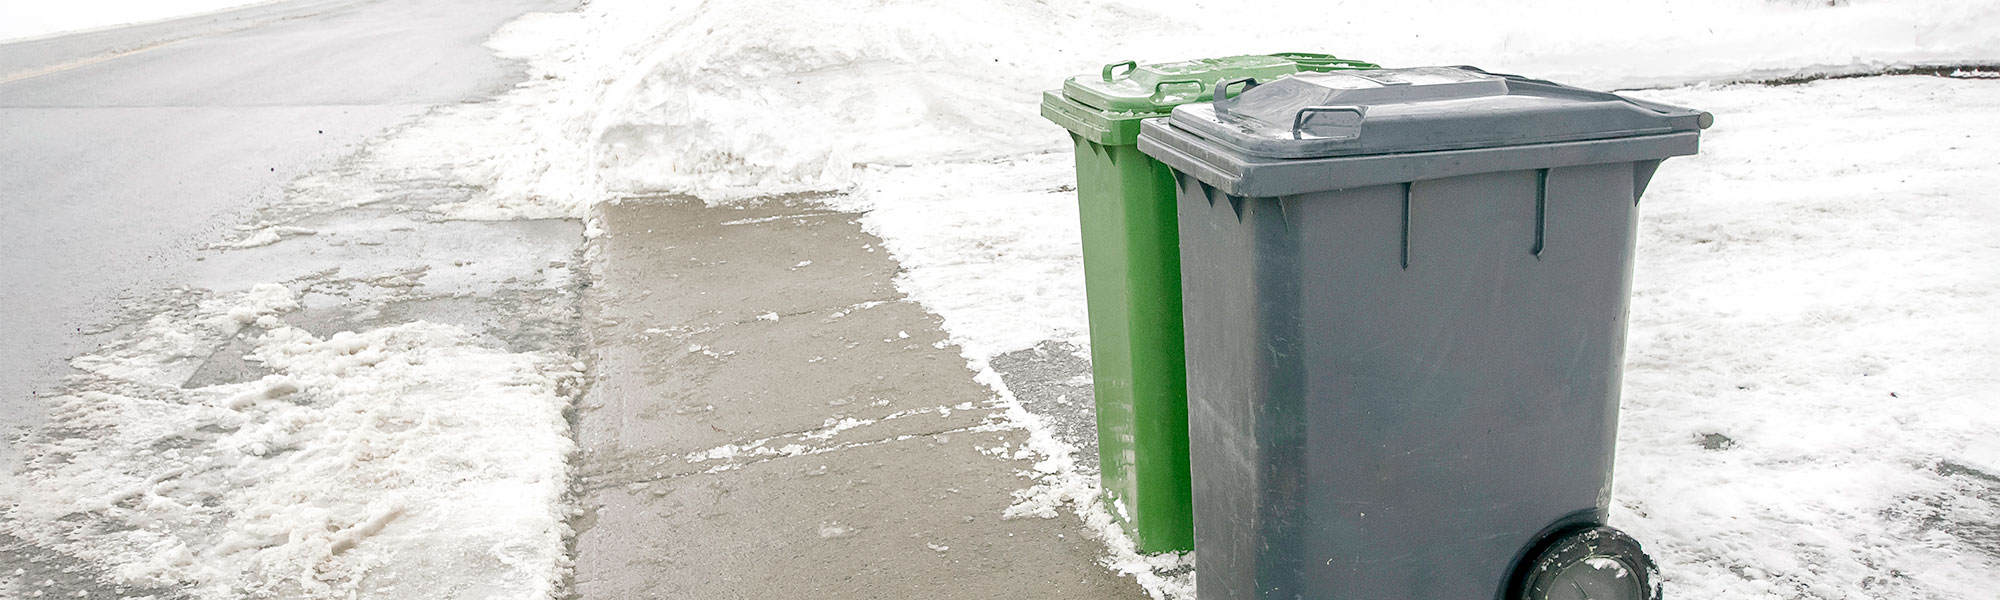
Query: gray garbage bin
[{"x": 1405, "y": 309}]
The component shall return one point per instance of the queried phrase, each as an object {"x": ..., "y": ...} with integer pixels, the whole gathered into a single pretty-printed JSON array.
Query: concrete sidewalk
[{"x": 772, "y": 419}]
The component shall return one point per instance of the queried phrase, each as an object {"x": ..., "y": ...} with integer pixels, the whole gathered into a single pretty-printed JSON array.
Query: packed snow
[{"x": 25, "y": 20}]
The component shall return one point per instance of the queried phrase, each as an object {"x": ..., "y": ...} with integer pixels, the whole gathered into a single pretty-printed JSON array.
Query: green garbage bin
[{"x": 1131, "y": 258}]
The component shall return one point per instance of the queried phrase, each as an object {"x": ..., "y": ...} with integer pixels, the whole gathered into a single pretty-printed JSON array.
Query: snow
[
  {"x": 1847, "y": 227},
  {"x": 1819, "y": 287},
  {"x": 1809, "y": 398},
  {"x": 950, "y": 225},
  {"x": 267, "y": 236},
  {"x": 755, "y": 98},
  {"x": 25, "y": 20},
  {"x": 740, "y": 100},
  {"x": 403, "y": 461},
  {"x": 1616, "y": 567},
  {"x": 169, "y": 347}
]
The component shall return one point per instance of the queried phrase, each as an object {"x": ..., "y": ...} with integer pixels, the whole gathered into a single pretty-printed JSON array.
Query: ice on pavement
[{"x": 407, "y": 461}]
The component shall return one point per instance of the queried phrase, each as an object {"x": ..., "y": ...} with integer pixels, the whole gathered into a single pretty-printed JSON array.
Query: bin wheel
[{"x": 1592, "y": 563}]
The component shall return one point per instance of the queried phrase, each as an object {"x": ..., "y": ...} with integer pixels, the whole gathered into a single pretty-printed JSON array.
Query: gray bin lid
[{"x": 1388, "y": 111}]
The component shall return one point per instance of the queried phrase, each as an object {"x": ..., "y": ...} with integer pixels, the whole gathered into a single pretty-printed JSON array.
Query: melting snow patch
[
  {"x": 268, "y": 236},
  {"x": 831, "y": 529},
  {"x": 409, "y": 455},
  {"x": 169, "y": 347}
]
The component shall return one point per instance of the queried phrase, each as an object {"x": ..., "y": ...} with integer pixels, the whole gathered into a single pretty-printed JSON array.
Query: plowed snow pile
[
  {"x": 747, "y": 98},
  {"x": 744, "y": 98}
]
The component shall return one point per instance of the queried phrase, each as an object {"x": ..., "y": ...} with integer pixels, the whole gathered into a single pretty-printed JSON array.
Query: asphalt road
[{"x": 124, "y": 152}]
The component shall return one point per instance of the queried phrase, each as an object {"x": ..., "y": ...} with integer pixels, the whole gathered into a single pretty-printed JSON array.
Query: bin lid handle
[
  {"x": 1223, "y": 101},
  {"x": 1305, "y": 115},
  {"x": 1130, "y": 66}
]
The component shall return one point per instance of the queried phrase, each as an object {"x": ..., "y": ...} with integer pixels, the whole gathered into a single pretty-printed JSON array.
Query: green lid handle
[
  {"x": 1129, "y": 65},
  {"x": 1160, "y": 89},
  {"x": 1222, "y": 89},
  {"x": 1305, "y": 115}
]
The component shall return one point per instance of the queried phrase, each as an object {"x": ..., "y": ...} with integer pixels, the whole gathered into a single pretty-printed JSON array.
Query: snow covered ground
[
  {"x": 1809, "y": 403},
  {"x": 1813, "y": 380},
  {"x": 21, "y": 19}
]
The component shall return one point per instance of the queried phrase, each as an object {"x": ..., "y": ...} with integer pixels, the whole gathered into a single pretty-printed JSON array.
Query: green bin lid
[
  {"x": 1105, "y": 107},
  {"x": 1131, "y": 87}
]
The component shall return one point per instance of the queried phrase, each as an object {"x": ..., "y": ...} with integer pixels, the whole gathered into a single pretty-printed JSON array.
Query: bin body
[
  {"x": 1131, "y": 255},
  {"x": 1403, "y": 367},
  {"x": 1131, "y": 260}
]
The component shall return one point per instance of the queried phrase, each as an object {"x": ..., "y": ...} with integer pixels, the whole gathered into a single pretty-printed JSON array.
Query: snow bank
[
  {"x": 407, "y": 461},
  {"x": 749, "y": 98},
  {"x": 41, "y": 19}
]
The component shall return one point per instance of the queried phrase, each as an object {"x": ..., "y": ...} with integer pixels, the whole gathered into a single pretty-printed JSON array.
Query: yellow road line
[{"x": 58, "y": 68}]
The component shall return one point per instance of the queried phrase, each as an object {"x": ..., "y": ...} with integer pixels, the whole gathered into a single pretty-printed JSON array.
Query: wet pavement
[{"x": 771, "y": 418}]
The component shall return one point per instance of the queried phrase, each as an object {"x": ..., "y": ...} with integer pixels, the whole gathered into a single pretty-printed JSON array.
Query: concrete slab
[{"x": 772, "y": 419}]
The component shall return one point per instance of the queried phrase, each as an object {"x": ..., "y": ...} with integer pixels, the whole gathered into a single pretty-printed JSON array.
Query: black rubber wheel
[{"x": 1592, "y": 563}]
